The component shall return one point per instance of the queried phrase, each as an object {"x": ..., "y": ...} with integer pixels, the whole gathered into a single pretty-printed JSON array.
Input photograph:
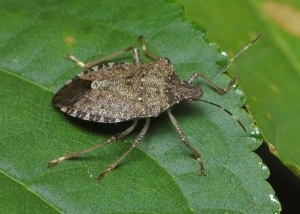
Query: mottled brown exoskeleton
[{"x": 116, "y": 92}]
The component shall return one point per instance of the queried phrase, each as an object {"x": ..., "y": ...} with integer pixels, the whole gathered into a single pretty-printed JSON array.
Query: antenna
[
  {"x": 228, "y": 112},
  {"x": 225, "y": 66}
]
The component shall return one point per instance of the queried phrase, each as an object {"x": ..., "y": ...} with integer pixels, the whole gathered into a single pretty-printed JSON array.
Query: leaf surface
[
  {"x": 160, "y": 176},
  {"x": 269, "y": 73}
]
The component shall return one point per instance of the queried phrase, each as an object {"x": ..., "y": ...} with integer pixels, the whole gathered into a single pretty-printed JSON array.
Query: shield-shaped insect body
[{"x": 116, "y": 92}]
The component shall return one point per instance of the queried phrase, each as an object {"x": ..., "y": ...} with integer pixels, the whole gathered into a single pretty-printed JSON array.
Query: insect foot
[{"x": 117, "y": 91}]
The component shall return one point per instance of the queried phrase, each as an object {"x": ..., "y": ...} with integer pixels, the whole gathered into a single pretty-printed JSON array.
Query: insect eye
[{"x": 167, "y": 60}]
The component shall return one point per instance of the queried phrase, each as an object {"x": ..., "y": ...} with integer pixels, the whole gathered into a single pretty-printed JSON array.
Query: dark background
[{"x": 285, "y": 184}]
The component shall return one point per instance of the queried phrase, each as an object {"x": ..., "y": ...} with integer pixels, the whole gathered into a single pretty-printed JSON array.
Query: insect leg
[
  {"x": 211, "y": 83},
  {"x": 222, "y": 69},
  {"x": 136, "y": 57},
  {"x": 145, "y": 51},
  {"x": 108, "y": 141},
  {"x": 135, "y": 144},
  {"x": 185, "y": 142}
]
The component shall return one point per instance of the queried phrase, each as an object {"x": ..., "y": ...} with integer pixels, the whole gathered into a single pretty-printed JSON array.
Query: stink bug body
[{"x": 115, "y": 92}]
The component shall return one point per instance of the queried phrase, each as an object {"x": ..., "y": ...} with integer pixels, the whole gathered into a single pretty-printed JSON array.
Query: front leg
[
  {"x": 222, "y": 69},
  {"x": 211, "y": 83},
  {"x": 184, "y": 140}
]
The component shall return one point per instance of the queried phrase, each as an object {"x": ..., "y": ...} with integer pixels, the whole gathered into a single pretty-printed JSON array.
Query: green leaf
[
  {"x": 269, "y": 74},
  {"x": 160, "y": 176}
]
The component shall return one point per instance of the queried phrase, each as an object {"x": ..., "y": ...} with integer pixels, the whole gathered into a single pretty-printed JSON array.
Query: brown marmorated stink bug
[{"x": 117, "y": 91}]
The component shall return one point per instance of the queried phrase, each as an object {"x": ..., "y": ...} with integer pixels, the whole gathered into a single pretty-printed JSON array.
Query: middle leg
[
  {"x": 136, "y": 57},
  {"x": 135, "y": 144},
  {"x": 112, "y": 139}
]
